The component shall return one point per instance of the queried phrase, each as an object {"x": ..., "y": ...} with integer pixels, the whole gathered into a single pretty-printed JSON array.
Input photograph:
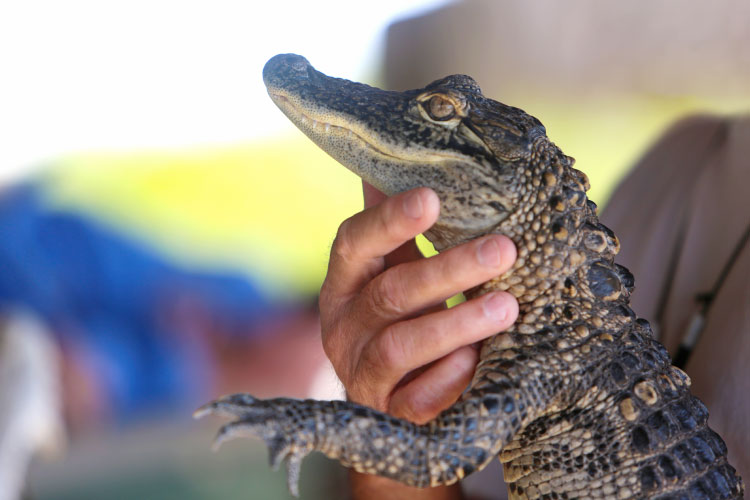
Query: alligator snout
[{"x": 284, "y": 67}]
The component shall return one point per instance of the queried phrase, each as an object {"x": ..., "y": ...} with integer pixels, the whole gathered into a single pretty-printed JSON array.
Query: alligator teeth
[{"x": 315, "y": 124}]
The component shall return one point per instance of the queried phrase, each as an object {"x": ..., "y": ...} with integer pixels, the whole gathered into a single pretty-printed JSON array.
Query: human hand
[{"x": 385, "y": 328}]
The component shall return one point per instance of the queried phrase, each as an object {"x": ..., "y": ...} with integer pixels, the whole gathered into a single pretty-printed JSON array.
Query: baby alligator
[{"x": 577, "y": 399}]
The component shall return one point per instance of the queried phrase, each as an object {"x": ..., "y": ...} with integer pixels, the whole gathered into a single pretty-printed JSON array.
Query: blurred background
[{"x": 164, "y": 230}]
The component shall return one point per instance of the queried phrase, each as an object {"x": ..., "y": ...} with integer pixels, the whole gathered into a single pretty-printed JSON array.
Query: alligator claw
[{"x": 260, "y": 419}]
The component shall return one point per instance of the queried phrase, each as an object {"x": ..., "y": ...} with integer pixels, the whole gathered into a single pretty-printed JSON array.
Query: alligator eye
[{"x": 440, "y": 108}]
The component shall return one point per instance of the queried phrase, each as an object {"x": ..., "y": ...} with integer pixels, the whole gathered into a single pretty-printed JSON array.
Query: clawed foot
[{"x": 263, "y": 419}]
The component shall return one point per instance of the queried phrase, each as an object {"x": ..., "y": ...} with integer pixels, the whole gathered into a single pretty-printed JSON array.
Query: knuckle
[
  {"x": 389, "y": 220},
  {"x": 386, "y": 352},
  {"x": 440, "y": 270},
  {"x": 387, "y": 294},
  {"x": 343, "y": 245},
  {"x": 457, "y": 268}
]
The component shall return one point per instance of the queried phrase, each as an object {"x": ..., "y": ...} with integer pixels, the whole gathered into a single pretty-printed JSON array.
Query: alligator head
[{"x": 446, "y": 136}]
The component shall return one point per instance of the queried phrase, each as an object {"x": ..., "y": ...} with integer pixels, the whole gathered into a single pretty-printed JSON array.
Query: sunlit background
[
  {"x": 164, "y": 229},
  {"x": 154, "y": 115}
]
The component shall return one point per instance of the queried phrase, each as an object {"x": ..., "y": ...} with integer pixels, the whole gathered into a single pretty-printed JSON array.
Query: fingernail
[
  {"x": 495, "y": 307},
  {"x": 413, "y": 206},
  {"x": 488, "y": 253}
]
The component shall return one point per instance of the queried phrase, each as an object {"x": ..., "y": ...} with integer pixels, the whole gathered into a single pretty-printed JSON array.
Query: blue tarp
[{"x": 113, "y": 297}]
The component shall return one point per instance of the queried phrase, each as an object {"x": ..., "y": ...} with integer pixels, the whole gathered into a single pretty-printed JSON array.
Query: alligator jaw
[{"x": 338, "y": 133}]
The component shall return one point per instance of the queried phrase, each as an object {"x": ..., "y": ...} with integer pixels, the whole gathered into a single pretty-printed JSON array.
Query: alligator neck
[{"x": 565, "y": 259}]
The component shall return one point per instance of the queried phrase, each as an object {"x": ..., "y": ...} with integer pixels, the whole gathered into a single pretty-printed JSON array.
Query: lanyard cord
[
  {"x": 714, "y": 144},
  {"x": 704, "y": 302}
]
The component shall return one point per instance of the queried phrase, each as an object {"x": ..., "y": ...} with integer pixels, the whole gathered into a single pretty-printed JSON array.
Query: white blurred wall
[{"x": 85, "y": 75}]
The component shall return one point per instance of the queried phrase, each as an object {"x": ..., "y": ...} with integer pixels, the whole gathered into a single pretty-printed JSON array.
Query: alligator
[{"x": 577, "y": 399}]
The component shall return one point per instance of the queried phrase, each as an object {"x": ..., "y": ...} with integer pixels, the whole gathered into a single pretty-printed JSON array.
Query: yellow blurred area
[
  {"x": 607, "y": 135},
  {"x": 271, "y": 208}
]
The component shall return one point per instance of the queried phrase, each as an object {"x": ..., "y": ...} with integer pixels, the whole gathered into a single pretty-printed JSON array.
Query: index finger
[
  {"x": 364, "y": 239},
  {"x": 406, "y": 252}
]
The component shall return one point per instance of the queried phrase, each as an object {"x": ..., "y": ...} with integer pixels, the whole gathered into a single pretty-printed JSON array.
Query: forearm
[{"x": 369, "y": 487}]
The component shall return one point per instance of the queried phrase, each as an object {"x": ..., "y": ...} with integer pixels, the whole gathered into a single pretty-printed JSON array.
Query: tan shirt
[{"x": 679, "y": 215}]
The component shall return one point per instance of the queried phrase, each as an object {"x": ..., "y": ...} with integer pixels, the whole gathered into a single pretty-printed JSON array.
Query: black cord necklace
[{"x": 703, "y": 302}]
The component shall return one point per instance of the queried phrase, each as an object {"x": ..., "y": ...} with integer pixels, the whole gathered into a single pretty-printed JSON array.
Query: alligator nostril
[
  {"x": 285, "y": 64},
  {"x": 299, "y": 65}
]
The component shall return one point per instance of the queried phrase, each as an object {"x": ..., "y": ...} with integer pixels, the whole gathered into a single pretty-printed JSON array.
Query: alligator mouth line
[{"x": 327, "y": 127}]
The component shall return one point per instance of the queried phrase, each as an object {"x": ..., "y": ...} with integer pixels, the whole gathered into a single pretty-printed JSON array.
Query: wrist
[{"x": 370, "y": 487}]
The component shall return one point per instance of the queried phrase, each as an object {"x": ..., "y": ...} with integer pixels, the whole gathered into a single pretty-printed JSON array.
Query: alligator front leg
[{"x": 462, "y": 439}]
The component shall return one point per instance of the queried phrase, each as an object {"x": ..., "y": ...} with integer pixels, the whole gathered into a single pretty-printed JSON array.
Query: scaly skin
[{"x": 577, "y": 398}]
